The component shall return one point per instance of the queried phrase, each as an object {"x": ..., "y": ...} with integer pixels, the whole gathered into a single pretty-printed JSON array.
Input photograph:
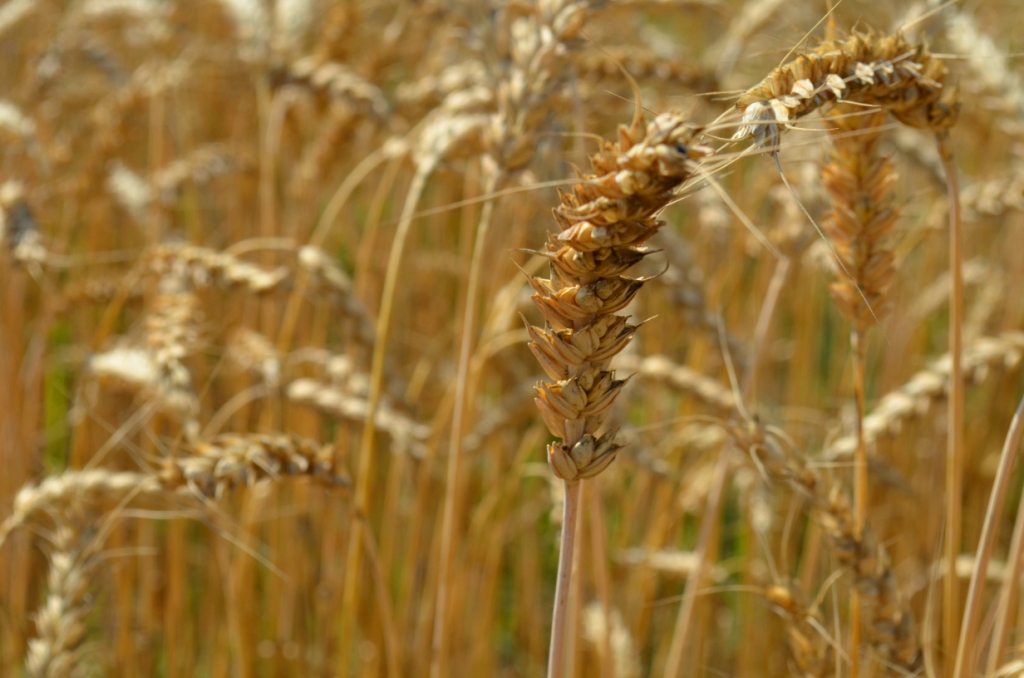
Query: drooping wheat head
[{"x": 884, "y": 71}]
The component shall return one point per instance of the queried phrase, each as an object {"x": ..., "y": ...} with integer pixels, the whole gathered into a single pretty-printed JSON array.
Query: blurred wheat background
[{"x": 266, "y": 400}]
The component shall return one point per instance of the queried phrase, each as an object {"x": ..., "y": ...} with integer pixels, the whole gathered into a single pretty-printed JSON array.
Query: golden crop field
[{"x": 511, "y": 338}]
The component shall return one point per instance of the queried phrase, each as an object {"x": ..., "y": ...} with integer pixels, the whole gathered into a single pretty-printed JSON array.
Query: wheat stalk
[
  {"x": 859, "y": 225},
  {"x": 604, "y": 222},
  {"x": 444, "y": 135}
]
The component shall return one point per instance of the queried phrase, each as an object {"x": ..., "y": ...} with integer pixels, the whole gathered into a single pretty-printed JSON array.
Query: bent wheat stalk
[
  {"x": 888, "y": 75},
  {"x": 604, "y": 223}
]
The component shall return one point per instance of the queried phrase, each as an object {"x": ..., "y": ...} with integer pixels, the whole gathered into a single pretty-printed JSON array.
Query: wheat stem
[
  {"x": 566, "y": 549},
  {"x": 323, "y": 227},
  {"x": 860, "y": 488},
  {"x": 972, "y": 608},
  {"x": 350, "y": 602},
  {"x": 438, "y": 663},
  {"x": 1007, "y": 595},
  {"x": 955, "y": 421},
  {"x": 677, "y": 651}
]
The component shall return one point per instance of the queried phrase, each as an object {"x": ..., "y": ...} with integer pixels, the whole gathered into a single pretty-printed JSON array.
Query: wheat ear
[
  {"x": 883, "y": 71},
  {"x": 604, "y": 222},
  {"x": 888, "y": 73},
  {"x": 859, "y": 182},
  {"x": 60, "y": 621}
]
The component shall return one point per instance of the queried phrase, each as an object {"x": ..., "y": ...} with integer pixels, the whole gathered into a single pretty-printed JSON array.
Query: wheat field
[{"x": 512, "y": 338}]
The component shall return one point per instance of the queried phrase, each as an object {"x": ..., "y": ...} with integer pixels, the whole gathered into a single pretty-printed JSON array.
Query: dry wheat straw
[
  {"x": 1007, "y": 596},
  {"x": 965, "y": 658}
]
